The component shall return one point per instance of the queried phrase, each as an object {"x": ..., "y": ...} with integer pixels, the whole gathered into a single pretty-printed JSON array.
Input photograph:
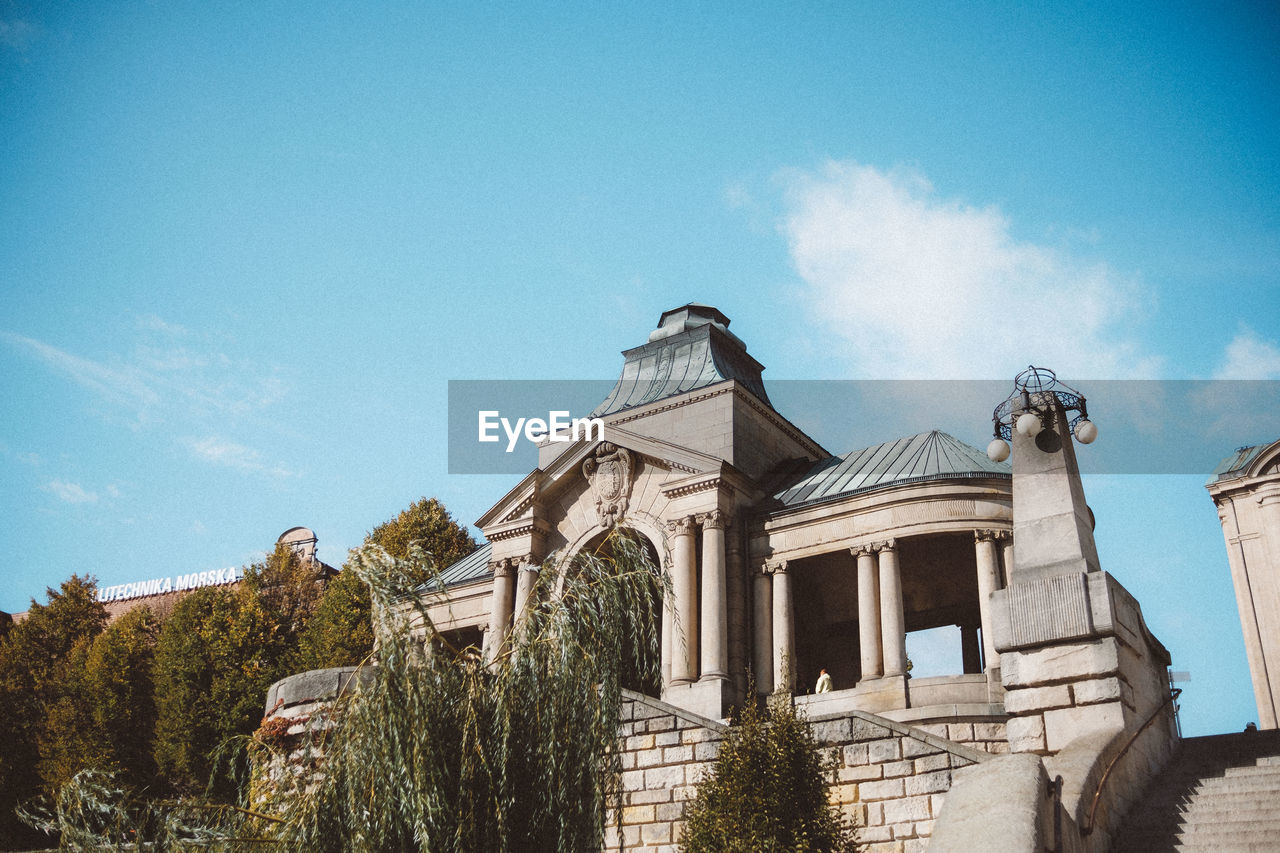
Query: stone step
[
  {"x": 1255, "y": 770},
  {"x": 1269, "y": 761},
  {"x": 1226, "y": 784},
  {"x": 1269, "y": 826},
  {"x": 1165, "y": 818}
]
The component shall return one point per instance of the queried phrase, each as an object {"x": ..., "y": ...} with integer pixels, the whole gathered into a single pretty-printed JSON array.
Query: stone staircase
[{"x": 1219, "y": 794}]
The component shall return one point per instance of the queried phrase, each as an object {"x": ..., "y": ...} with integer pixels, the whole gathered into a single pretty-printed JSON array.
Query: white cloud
[
  {"x": 72, "y": 493},
  {"x": 229, "y": 454},
  {"x": 1250, "y": 357},
  {"x": 921, "y": 286},
  {"x": 120, "y": 386},
  {"x": 162, "y": 380}
]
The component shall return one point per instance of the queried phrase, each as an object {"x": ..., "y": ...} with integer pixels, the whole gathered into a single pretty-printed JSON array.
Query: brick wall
[{"x": 891, "y": 779}]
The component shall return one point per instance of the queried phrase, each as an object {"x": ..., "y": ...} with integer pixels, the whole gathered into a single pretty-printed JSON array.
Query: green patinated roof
[
  {"x": 1236, "y": 463},
  {"x": 472, "y": 567},
  {"x": 928, "y": 456},
  {"x": 691, "y": 348}
]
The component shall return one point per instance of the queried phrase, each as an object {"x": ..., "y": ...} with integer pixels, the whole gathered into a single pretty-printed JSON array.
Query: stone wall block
[
  {"x": 872, "y": 834},
  {"x": 960, "y": 731},
  {"x": 666, "y": 738},
  {"x": 860, "y": 773},
  {"x": 1097, "y": 690},
  {"x": 664, "y": 777},
  {"x": 706, "y": 751},
  {"x": 1064, "y": 725},
  {"x": 1060, "y": 664},
  {"x": 880, "y": 751},
  {"x": 883, "y": 790},
  {"x": 989, "y": 731},
  {"x": 860, "y": 730},
  {"x": 930, "y": 763},
  {"x": 1026, "y": 734},
  {"x": 906, "y": 810},
  {"x": 832, "y": 731},
  {"x": 928, "y": 783},
  {"x": 1028, "y": 699},
  {"x": 897, "y": 769},
  {"x": 855, "y": 753},
  {"x": 672, "y": 754},
  {"x": 912, "y": 748},
  {"x": 649, "y": 797},
  {"x": 635, "y": 815}
]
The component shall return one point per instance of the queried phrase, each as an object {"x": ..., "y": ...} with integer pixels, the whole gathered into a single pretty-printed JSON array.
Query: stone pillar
[
  {"x": 500, "y": 608},
  {"x": 1005, "y": 538},
  {"x": 969, "y": 651},
  {"x": 668, "y": 608},
  {"x": 684, "y": 582},
  {"x": 869, "y": 613},
  {"x": 1052, "y": 522},
  {"x": 715, "y": 613},
  {"x": 892, "y": 625},
  {"x": 526, "y": 579},
  {"x": 988, "y": 582},
  {"x": 784, "y": 631},
  {"x": 763, "y": 635}
]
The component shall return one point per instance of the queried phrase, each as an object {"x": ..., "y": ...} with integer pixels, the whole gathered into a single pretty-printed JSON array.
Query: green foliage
[
  {"x": 766, "y": 792},
  {"x": 460, "y": 756},
  {"x": 120, "y": 693},
  {"x": 37, "y": 660},
  {"x": 216, "y": 655},
  {"x": 429, "y": 526},
  {"x": 340, "y": 632}
]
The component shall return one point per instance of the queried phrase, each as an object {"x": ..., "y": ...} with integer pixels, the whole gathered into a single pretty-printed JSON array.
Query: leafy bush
[{"x": 766, "y": 792}]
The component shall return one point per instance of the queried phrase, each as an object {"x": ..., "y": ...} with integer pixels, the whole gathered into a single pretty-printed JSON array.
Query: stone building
[
  {"x": 786, "y": 558},
  {"x": 1246, "y": 489}
]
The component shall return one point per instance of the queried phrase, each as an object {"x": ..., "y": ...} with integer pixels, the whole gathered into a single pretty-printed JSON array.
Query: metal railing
[{"x": 1174, "y": 693}]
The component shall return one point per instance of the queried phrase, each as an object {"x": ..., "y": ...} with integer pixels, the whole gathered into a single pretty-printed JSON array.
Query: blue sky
[{"x": 243, "y": 248}]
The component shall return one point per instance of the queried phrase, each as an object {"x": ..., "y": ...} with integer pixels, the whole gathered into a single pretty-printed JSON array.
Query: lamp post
[{"x": 1031, "y": 408}]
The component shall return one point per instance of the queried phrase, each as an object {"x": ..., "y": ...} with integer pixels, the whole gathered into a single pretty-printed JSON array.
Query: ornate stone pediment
[{"x": 610, "y": 471}]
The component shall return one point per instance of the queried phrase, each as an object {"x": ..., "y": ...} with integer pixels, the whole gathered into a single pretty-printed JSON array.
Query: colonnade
[
  {"x": 882, "y": 637},
  {"x": 695, "y": 629},
  {"x": 513, "y": 580}
]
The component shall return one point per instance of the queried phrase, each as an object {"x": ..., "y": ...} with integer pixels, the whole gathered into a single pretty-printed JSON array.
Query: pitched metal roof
[
  {"x": 690, "y": 349},
  {"x": 471, "y": 567},
  {"x": 928, "y": 456},
  {"x": 1233, "y": 465}
]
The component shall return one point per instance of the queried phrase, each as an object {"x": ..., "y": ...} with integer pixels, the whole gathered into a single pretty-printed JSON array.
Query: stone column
[
  {"x": 526, "y": 578},
  {"x": 500, "y": 608},
  {"x": 969, "y": 654},
  {"x": 892, "y": 631},
  {"x": 668, "y": 607},
  {"x": 1005, "y": 538},
  {"x": 869, "y": 613},
  {"x": 784, "y": 628},
  {"x": 988, "y": 582},
  {"x": 714, "y": 646},
  {"x": 763, "y": 635},
  {"x": 684, "y": 582}
]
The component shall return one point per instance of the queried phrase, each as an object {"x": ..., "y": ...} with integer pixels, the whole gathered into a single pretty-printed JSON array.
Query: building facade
[{"x": 1246, "y": 489}]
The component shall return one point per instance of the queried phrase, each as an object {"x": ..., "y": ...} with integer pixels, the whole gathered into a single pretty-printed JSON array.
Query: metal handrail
[{"x": 1174, "y": 693}]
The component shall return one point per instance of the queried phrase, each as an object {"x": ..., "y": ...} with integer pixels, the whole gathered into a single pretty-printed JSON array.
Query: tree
[
  {"x": 36, "y": 658},
  {"x": 341, "y": 632},
  {"x": 118, "y": 677},
  {"x": 766, "y": 791},
  {"x": 463, "y": 756},
  {"x": 427, "y": 524},
  {"x": 216, "y": 656}
]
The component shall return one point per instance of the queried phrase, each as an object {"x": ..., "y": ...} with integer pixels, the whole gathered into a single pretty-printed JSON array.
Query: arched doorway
[{"x": 606, "y": 546}]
